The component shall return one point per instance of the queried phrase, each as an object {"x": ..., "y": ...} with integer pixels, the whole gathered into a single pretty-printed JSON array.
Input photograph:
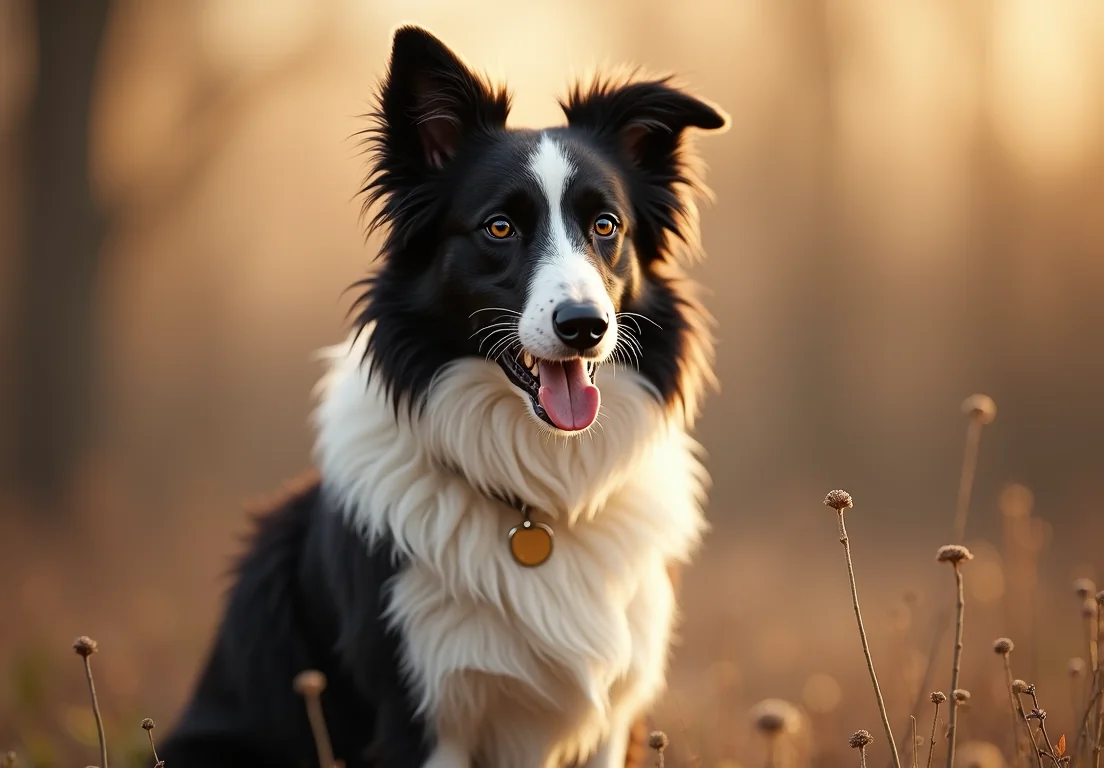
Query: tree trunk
[{"x": 55, "y": 328}]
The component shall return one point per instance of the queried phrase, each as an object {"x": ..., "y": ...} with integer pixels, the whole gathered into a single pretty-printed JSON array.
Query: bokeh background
[{"x": 909, "y": 209}]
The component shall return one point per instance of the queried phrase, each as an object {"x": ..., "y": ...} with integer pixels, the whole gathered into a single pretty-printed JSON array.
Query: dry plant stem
[
  {"x": 1086, "y": 727},
  {"x": 1098, "y": 746},
  {"x": 772, "y": 752},
  {"x": 866, "y": 645},
  {"x": 931, "y": 747},
  {"x": 96, "y": 710},
  {"x": 318, "y": 728},
  {"x": 1030, "y": 733},
  {"x": 915, "y": 756},
  {"x": 1016, "y": 741},
  {"x": 966, "y": 480},
  {"x": 1042, "y": 727},
  {"x": 862, "y": 757},
  {"x": 956, "y": 666},
  {"x": 153, "y": 748}
]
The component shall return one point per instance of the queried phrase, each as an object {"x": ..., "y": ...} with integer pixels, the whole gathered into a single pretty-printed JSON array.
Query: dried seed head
[
  {"x": 775, "y": 716},
  {"x": 148, "y": 724},
  {"x": 84, "y": 646},
  {"x": 309, "y": 682},
  {"x": 1019, "y": 686},
  {"x": 838, "y": 500},
  {"x": 938, "y": 697},
  {"x": 860, "y": 739},
  {"x": 1088, "y": 608},
  {"x": 961, "y": 696},
  {"x": 1003, "y": 646},
  {"x": 1076, "y": 667},
  {"x": 658, "y": 740},
  {"x": 980, "y": 407},
  {"x": 1084, "y": 588},
  {"x": 953, "y": 553}
]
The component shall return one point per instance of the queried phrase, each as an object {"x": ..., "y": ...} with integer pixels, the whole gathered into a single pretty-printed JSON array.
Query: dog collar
[{"x": 530, "y": 542}]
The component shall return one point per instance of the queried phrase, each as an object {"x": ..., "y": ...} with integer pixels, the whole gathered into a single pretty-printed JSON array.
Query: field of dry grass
[{"x": 987, "y": 662}]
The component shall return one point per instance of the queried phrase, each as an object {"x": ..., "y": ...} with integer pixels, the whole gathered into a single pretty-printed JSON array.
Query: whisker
[
  {"x": 642, "y": 317},
  {"x": 631, "y": 319},
  {"x": 487, "y": 340},
  {"x": 501, "y": 346},
  {"x": 513, "y": 312},
  {"x": 488, "y": 328}
]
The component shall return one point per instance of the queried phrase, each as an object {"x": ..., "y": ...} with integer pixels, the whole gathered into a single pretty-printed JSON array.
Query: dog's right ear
[{"x": 430, "y": 102}]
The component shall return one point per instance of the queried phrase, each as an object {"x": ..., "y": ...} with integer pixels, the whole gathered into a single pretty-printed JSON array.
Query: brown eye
[
  {"x": 604, "y": 226},
  {"x": 499, "y": 229}
]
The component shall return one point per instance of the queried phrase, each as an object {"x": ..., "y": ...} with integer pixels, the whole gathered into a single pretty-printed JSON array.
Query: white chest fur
[{"x": 512, "y": 665}]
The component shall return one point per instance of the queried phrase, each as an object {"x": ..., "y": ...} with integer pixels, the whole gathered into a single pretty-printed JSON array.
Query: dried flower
[
  {"x": 148, "y": 724},
  {"x": 1019, "y": 686},
  {"x": 860, "y": 739},
  {"x": 961, "y": 696},
  {"x": 838, "y": 500},
  {"x": 1084, "y": 588},
  {"x": 658, "y": 740},
  {"x": 774, "y": 716},
  {"x": 980, "y": 407},
  {"x": 84, "y": 646},
  {"x": 938, "y": 697},
  {"x": 1003, "y": 646},
  {"x": 309, "y": 682},
  {"x": 1076, "y": 667},
  {"x": 953, "y": 553}
]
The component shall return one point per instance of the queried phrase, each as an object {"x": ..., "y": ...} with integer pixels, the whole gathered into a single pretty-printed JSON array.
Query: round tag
[{"x": 531, "y": 543}]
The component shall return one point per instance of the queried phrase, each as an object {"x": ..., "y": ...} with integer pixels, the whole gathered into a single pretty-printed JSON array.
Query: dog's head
[{"x": 548, "y": 253}]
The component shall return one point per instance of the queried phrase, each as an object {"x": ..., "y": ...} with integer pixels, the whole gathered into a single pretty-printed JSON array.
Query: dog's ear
[
  {"x": 647, "y": 122},
  {"x": 430, "y": 101},
  {"x": 647, "y": 118}
]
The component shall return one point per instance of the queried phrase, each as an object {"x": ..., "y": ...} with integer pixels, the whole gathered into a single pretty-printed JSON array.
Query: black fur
[{"x": 309, "y": 593}]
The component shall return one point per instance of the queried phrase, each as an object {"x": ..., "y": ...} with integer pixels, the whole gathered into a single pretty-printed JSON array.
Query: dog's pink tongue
[{"x": 568, "y": 397}]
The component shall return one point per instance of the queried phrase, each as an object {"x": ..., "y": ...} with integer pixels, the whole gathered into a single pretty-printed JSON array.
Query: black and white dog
[{"x": 528, "y": 359}]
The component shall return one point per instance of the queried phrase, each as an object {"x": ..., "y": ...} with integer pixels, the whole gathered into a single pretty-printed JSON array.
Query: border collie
[{"x": 505, "y": 473}]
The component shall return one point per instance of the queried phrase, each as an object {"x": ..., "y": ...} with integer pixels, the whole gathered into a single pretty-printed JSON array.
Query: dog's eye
[
  {"x": 499, "y": 228},
  {"x": 605, "y": 226}
]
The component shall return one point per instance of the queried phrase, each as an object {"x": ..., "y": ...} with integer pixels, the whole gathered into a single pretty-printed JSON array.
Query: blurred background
[{"x": 909, "y": 210}]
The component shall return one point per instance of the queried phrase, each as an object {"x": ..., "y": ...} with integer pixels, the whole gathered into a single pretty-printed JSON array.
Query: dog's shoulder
[{"x": 308, "y": 594}]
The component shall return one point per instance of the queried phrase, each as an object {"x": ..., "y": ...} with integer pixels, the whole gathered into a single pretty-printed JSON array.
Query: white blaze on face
[{"x": 564, "y": 271}]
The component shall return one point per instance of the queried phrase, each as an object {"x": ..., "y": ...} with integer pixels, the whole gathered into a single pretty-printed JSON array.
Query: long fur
[{"x": 390, "y": 571}]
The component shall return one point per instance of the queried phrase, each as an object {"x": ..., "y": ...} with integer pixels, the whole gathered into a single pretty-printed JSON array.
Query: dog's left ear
[{"x": 648, "y": 119}]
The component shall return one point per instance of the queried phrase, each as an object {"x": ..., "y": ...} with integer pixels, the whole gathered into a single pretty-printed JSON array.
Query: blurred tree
[{"x": 61, "y": 255}]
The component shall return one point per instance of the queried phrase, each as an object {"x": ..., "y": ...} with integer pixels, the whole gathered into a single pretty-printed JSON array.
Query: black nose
[{"x": 579, "y": 326}]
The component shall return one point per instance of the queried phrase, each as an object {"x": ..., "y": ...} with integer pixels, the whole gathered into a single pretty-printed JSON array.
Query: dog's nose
[{"x": 579, "y": 325}]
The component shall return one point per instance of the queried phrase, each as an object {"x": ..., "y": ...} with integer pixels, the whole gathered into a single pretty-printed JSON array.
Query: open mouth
[{"x": 562, "y": 391}]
